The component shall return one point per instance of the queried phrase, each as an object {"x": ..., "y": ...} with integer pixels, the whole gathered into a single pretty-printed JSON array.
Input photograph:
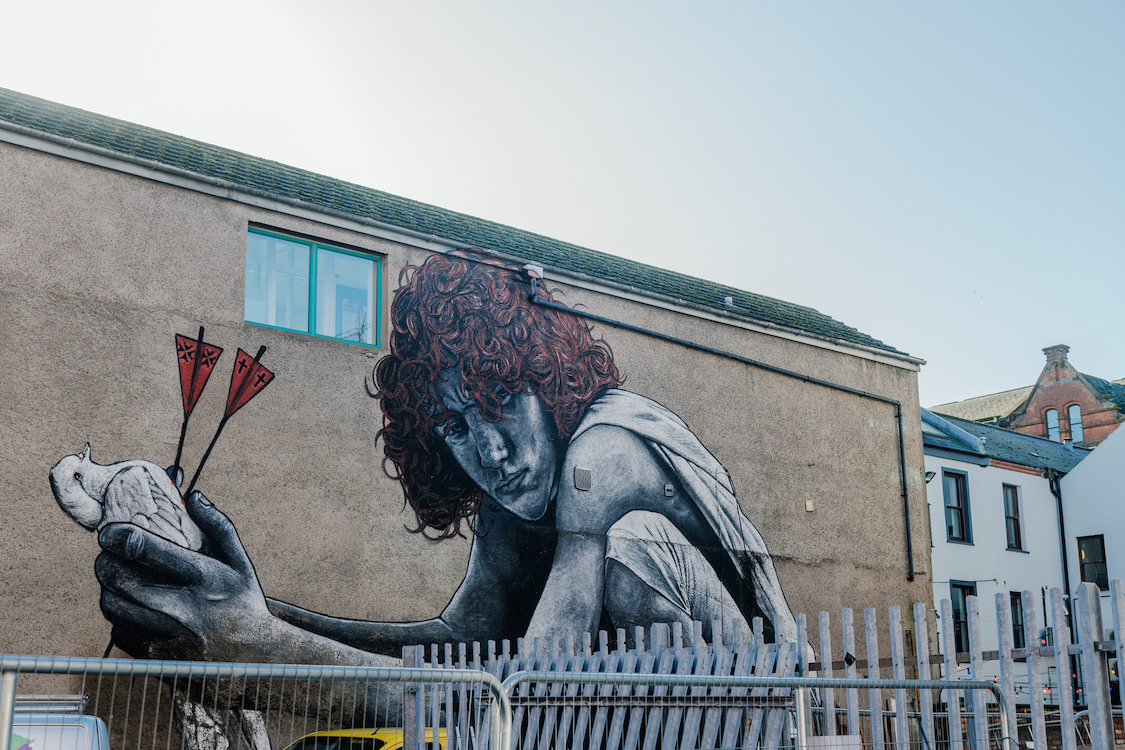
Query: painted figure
[{"x": 590, "y": 506}]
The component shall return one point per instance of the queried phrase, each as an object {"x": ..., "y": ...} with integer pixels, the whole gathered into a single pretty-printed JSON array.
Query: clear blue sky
[{"x": 948, "y": 177}]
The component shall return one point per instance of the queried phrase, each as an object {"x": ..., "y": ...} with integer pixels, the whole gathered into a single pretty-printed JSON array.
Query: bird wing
[
  {"x": 135, "y": 496},
  {"x": 170, "y": 511}
]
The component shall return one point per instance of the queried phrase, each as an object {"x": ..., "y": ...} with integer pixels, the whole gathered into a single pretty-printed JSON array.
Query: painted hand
[{"x": 167, "y": 601}]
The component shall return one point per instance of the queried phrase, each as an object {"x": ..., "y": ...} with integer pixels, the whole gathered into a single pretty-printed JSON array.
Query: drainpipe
[{"x": 1053, "y": 478}]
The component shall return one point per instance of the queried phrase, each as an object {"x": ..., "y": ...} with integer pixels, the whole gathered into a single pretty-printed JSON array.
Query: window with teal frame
[{"x": 307, "y": 286}]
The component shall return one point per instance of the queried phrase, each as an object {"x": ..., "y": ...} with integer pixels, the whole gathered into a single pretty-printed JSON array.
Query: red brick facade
[{"x": 1059, "y": 386}]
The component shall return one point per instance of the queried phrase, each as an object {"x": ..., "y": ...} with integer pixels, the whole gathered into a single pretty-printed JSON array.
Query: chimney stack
[{"x": 1056, "y": 353}]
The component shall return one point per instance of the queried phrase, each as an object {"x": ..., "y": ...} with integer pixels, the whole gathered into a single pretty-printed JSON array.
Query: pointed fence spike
[
  {"x": 953, "y": 697},
  {"x": 827, "y": 694},
  {"x": 922, "y": 644},
  {"x": 875, "y": 696},
  {"x": 848, "y": 623},
  {"x": 1036, "y": 698}
]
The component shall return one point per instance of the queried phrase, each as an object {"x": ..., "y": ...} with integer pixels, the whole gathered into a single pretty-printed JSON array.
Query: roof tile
[{"x": 1015, "y": 447}]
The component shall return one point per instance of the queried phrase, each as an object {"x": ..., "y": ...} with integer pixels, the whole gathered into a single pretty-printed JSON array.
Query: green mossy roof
[{"x": 278, "y": 179}]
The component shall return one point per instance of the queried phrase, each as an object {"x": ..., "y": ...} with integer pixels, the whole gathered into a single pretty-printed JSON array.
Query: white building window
[
  {"x": 958, "y": 522},
  {"x": 1019, "y": 635},
  {"x": 959, "y": 593},
  {"x": 1012, "y": 516}
]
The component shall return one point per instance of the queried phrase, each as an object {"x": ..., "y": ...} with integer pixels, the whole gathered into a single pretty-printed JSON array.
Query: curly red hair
[{"x": 475, "y": 313}]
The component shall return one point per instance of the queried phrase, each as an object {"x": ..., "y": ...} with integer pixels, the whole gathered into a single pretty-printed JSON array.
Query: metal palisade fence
[
  {"x": 740, "y": 691},
  {"x": 665, "y": 687}
]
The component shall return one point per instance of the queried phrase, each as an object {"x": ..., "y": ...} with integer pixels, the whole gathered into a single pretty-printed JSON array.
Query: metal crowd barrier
[{"x": 199, "y": 687}]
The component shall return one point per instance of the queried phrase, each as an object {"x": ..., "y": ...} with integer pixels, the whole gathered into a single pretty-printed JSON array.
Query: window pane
[
  {"x": 277, "y": 282},
  {"x": 953, "y": 526},
  {"x": 954, "y": 507},
  {"x": 1053, "y": 425},
  {"x": 1074, "y": 414},
  {"x": 1012, "y": 517},
  {"x": 959, "y": 592},
  {"x": 1018, "y": 639},
  {"x": 47, "y": 734},
  {"x": 1091, "y": 558},
  {"x": 345, "y": 296},
  {"x": 368, "y": 743}
]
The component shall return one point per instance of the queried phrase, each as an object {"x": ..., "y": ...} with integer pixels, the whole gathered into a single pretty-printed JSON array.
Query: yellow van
[{"x": 388, "y": 738}]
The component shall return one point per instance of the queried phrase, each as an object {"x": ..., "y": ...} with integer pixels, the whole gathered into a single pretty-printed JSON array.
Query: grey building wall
[{"x": 100, "y": 269}]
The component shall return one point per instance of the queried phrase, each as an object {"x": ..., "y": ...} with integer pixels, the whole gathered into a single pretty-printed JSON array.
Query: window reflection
[
  {"x": 330, "y": 292},
  {"x": 277, "y": 282},
  {"x": 345, "y": 291},
  {"x": 1074, "y": 416},
  {"x": 1053, "y": 424}
]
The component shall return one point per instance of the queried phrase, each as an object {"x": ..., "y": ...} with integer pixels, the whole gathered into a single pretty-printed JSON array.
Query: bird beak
[{"x": 85, "y": 454}]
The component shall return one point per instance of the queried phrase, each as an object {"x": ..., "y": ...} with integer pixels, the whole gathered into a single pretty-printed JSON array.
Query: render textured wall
[{"x": 101, "y": 271}]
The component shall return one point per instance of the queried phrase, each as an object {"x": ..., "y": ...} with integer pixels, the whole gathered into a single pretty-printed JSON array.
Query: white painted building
[
  {"x": 994, "y": 522},
  {"x": 1093, "y": 498}
]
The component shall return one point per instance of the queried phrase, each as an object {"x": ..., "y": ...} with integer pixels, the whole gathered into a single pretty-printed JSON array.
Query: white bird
[{"x": 136, "y": 492}]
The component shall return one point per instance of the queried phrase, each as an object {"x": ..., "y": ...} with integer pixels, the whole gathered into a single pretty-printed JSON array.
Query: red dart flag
[
  {"x": 196, "y": 360},
  {"x": 246, "y": 381}
]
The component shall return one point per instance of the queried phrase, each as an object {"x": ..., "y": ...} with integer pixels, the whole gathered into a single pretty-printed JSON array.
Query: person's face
[{"x": 514, "y": 461}]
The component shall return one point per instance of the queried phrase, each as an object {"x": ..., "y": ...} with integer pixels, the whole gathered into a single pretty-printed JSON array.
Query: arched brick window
[
  {"x": 1074, "y": 416},
  {"x": 1052, "y": 417}
]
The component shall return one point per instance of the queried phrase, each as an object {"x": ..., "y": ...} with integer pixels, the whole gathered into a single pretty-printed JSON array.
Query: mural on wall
[
  {"x": 590, "y": 507},
  {"x": 140, "y": 492}
]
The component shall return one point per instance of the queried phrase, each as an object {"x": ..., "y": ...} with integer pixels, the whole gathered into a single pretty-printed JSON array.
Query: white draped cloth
[{"x": 650, "y": 545}]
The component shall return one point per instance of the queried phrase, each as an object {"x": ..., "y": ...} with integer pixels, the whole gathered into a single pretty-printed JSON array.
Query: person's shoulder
[
  {"x": 608, "y": 471},
  {"x": 604, "y": 442}
]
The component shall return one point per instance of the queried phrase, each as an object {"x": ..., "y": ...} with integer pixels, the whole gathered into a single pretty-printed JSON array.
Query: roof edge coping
[{"x": 940, "y": 423}]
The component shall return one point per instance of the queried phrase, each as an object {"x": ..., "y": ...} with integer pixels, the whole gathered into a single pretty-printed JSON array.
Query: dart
[
  {"x": 247, "y": 380},
  {"x": 196, "y": 360}
]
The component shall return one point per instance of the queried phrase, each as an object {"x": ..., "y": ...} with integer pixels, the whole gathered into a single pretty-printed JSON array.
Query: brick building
[{"x": 1063, "y": 404}]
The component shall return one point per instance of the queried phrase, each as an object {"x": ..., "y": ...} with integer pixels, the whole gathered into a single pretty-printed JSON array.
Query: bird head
[{"x": 79, "y": 486}]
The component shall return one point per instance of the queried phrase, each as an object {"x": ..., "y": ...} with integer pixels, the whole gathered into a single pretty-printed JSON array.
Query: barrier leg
[
  {"x": 7, "y": 705},
  {"x": 802, "y": 725}
]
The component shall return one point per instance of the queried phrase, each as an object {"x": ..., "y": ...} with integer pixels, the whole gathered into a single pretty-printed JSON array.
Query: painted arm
[
  {"x": 376, "y": 637},
  {"x": 572, "y": 598},
  {"x": 167, "y": 601},
  {"x": 625, "y": 477},
  {"x": 507, "y": 568}
]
